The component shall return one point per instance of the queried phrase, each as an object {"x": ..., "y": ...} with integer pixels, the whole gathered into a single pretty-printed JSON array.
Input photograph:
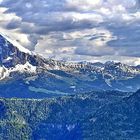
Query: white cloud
[
  {"x": 1, "y": 1},
  {"x": 83, "y": 5},
  {"x": 83, "y": 42},
  {"x": 5, "y": 18}
]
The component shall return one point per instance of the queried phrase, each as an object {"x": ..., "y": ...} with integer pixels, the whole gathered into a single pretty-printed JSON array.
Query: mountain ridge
[{"x": 46, "y": 76}]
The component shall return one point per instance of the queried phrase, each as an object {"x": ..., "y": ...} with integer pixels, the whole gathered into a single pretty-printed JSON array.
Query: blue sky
[{"x": 92, "y": 30}]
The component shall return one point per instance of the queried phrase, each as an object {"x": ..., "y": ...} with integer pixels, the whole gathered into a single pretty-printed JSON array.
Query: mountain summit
[
  {"x": 24, "y": 74},
  {"x": 11, "y": 53}
]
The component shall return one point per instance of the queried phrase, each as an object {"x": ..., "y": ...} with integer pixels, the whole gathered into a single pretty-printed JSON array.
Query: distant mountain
[{"x": 26, "y": 74}]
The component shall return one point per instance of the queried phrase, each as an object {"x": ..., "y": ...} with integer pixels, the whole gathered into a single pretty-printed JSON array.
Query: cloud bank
[{"x": 100, "y": 29}]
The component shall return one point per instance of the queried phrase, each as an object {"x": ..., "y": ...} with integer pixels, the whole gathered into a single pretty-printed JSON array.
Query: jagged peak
[{"x": 15, "y": 44}]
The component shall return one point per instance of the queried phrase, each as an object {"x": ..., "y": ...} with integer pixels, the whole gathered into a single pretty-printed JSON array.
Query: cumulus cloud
[{"x": 85, "y": 28}]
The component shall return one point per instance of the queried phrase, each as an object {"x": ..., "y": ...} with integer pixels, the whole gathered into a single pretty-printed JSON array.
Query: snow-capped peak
[{"x": 16, "y": 44}]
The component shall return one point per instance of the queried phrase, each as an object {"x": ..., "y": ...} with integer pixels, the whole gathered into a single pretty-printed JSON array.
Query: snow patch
[
  {"x": 7, "y": 59},
  {"x": 3, "y": 73},
  {"x": 27, "y": 67},
  {"x": 23, "y": 68}
]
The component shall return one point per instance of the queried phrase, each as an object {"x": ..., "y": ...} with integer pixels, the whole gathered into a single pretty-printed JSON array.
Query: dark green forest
[{"x": 93, "y": 116}]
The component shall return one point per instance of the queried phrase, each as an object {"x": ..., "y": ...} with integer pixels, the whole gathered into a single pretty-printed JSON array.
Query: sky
[{"x": 75, "y": 30}]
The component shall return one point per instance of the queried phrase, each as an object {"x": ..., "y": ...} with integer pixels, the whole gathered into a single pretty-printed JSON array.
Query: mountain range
[
  {"x": 46, "y": 99},
  {"x": 25, "y": 74}
]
